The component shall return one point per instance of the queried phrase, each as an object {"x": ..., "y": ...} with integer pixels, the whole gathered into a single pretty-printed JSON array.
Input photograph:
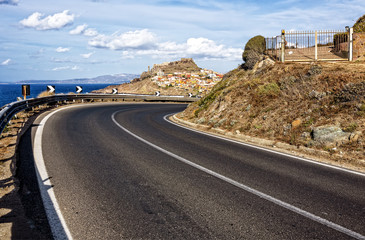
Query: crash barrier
[{"x": 8, "y": 111}]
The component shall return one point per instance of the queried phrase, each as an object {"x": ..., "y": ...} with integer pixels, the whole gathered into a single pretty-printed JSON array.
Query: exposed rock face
[
  {"x": 330, "y": 136},
  {"x": 263, "y": 63},
  {"x": 185, "y": 64}
]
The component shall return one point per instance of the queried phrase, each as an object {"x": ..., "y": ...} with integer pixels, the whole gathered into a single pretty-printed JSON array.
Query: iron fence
[{"x": 309, "y": 46}]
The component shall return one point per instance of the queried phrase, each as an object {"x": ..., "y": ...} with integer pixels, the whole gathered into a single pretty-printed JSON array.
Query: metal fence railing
[
  {"x": 309, "y": 46},
  {"x": 9, "y": 110}
]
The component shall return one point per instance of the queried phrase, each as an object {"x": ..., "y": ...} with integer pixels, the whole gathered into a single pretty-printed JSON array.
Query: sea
[{"x": 10, "y": 92}]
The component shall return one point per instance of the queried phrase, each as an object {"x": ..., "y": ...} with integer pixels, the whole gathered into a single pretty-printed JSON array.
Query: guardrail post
[{"x": 282, "y": 58}]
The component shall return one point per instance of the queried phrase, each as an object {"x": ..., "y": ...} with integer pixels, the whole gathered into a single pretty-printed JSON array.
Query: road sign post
[{"x": 25, "y": 91}]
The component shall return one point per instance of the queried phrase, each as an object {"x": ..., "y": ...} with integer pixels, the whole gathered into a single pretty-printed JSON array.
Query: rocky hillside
[
  {"x": 170, "y": 78},
  {"x": 318, "y": 106}
]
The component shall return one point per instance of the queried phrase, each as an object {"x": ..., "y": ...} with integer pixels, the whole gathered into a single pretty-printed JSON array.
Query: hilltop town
[
  {"x": 202, "y": 81},
  {"x": 177, "y": 77}
]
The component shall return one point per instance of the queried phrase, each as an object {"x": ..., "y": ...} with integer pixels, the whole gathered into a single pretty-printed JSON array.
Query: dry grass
[
  {"x": 264, "y": 103},
  {"x": 45, "y": 94}
]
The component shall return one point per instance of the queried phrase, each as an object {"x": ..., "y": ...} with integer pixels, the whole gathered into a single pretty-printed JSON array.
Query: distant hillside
[
  {"x": 318, "y": 106},
  {"x": 171, "y": 78},
  {"x": 105, "y": 79}
]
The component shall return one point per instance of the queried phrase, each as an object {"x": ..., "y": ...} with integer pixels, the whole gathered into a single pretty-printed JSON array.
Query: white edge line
[
  {"x": 247, "y": 188},
  {"x": 264, "y": 149},
  {"x": 56, "y": 221}
]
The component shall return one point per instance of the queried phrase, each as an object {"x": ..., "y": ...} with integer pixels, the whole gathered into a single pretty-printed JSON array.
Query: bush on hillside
[
  {"x": 359, "y": 26},
  {"x": 252, "y": 58},
  {"x": 254, "y": 49}
]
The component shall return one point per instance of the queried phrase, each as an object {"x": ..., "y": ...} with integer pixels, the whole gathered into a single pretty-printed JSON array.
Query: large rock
[
  {"x": 330, "y": 136},
  {"x": 264, "y": 63}
]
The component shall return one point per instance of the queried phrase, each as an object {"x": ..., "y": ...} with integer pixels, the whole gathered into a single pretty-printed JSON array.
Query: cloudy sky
[{"x": 52, "y": 39}]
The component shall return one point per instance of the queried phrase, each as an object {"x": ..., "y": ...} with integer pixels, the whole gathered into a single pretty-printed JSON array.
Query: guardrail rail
[{"x": 9, "y": 110}]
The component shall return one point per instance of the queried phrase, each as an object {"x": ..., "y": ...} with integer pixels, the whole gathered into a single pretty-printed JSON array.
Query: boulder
[
  {"x": 330, "y": 136},
  {"x": 354, "y": 137}
]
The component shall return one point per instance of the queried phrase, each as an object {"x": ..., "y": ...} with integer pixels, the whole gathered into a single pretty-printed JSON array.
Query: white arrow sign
[
  {"x": 157, "y": 93},
  {"x": 115, "y": 91},
  {"x": 51, "y": 89},
  {"x": 190, "y": 95},
  {"x": 78, "y": 89}
]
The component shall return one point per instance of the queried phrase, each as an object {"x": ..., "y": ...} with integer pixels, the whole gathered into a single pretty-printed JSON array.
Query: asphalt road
[{"x": 111, "y": 185}]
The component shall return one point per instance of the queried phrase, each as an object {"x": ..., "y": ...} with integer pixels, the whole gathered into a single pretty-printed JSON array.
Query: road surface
[{"x": 121, "y": 171}]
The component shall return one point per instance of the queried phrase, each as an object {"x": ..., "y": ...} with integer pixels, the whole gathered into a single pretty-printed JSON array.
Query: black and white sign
[
  {"x": 157, "y": 93},
  {"x": 51, "y": 89},
  {"x": 190, "y": 95},
  {"x": 115, "y": 91},
  {"x": 78, "y": 89}
]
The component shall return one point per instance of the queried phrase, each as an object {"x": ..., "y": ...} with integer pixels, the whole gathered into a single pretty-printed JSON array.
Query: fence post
[
  {"x": 351, "y": 31},
  {"x": 282, "y": 46},
  {"x": 315, "y": 46}
]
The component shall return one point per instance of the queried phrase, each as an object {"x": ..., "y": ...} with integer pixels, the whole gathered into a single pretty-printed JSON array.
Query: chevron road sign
[
  {"x": 115, "y": 91},
  {"x": 51, "y": 89},
  {"x": 157, "y": 93},
  {"x": 78, "y": 89}
]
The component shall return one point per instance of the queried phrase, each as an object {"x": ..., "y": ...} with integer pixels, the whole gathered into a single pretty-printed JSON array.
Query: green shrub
[
  {"x": 351, "y": 127},
  {"x": 252, "y": 58},
  {"x": 254, "y": 48},
  {"x": 359, "y": 26},
  {"x": 269, "y": 90},
  {"x": 212, "y": 95}
]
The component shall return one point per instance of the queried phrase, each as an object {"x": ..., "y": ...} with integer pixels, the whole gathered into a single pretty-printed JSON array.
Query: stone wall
[{"x": 358, "y": 46}]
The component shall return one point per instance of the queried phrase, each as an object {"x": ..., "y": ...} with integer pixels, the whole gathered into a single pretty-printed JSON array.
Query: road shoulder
[{"x": 302, "y": 152}]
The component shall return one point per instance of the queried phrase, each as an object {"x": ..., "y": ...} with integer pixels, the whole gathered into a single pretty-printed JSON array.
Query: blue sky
[{"x": 53, "y": 40}]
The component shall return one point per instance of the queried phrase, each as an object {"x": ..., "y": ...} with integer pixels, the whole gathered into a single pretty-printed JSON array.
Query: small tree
[{"x": 254, "y": 49}]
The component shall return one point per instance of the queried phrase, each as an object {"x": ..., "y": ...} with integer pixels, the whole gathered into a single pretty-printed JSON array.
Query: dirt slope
[{"x": 289, "y": 103}]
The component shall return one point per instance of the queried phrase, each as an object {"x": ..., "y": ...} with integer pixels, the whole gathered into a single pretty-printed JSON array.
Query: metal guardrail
[{"x": 9, "y": 110}]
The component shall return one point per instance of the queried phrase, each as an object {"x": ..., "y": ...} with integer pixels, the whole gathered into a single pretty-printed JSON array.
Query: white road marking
[
  {"x": 54, "y": 215},
  {"x": 265, "y": 149},
  {"x": 247, "y": 188}
]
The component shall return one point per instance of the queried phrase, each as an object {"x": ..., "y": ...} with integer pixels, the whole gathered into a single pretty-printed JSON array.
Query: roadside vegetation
[{"x": 288, "y": 102}]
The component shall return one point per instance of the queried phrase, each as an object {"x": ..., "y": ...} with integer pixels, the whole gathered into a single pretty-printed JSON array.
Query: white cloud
[
  {"x": 56, "y": 21},
  {"x": 197, "y": 48},
  {"x": 6, "y": 62},
  {"x": 90, "y": 32},
  {"x": 82, "y": 29},
  {"x": 87, "y": 55},
  {"x": 9, "y": 2},
  {"x": 66, "y": 68},
  {"x": 78, "y": 30},
  {"x": 139, "y": 39},
  {"x": 144, "y": 42},
  {"x": 62, "y": 50},
  {"x": 75, "y": 68},
  {"x": 205, "y": 48}
]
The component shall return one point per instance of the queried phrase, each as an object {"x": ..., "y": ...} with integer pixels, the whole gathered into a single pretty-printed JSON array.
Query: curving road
[{"x": 120, "y": 171}]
